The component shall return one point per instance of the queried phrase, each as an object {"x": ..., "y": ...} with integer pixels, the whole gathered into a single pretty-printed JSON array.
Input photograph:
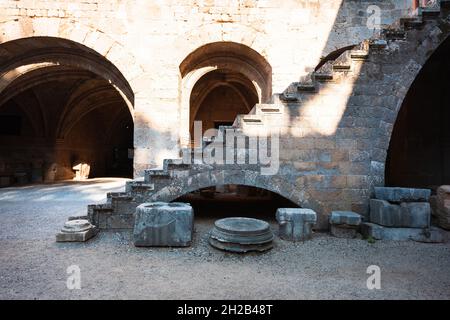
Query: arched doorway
[
  {"x": 419, "y": 151},
  {"x": 235, "y": 201},
  {"x": 219, "y": 81},
  {"x": 218, "y": 97},
  {"x": 65, "y": 111}
]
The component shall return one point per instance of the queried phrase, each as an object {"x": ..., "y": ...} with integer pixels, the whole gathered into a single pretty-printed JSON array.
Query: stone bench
[
  {"x": 295, "y": 224},
  {"x": 344, "y": 224},
  {"x": 162, "y": 224}
]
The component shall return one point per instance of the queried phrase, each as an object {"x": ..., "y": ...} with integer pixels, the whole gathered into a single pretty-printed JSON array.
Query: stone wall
[
  {"x": 334, "y": 139},
  {"x": 147, "y": 41}
]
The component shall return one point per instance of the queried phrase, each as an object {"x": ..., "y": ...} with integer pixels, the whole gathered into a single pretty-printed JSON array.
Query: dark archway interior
[
  {"x": 49, "y": 128},
  {"x": 419, "y": 152},
  {"x": 63, "y": 120},
  {"x": 236, "y": 201},
  {"x": 219, "y": 96}
]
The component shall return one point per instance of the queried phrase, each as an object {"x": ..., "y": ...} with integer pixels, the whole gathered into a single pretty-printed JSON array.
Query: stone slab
[
  {"x": 407, "y": 214},
  {"x": 242, "y": 231},
  {"x": 430, "y": 235},
  {"x": 345, "y": 217},
  {"x": 163, "y": 224},
  {"x": 81, "y": 236},
  {"x": 397, "y": 195},
  {"x": 295, "y": 224}
]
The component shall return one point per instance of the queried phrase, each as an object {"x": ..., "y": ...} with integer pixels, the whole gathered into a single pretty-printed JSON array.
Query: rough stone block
[
  {"x": 343, "y": 231},
  {"x": 415, "y": 214},
  {"x": 296, "y": 224},
  {"x": 431, "y": 235},
  {"x": 163, "y": 224},
  {"x": 76, "y": 231},
  {"x": 398, "y": 195},
  {"x": 407, "y": 214},
  {"x": 384, "y": 213},
  {"x": 345, "y": 217},
  {"x": 442, "y": 203}
]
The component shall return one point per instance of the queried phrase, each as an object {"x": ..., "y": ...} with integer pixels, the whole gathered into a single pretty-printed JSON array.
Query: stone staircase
[{"x": 183, "y": 175}]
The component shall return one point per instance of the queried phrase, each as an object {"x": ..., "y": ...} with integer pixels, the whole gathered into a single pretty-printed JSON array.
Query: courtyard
[{"x": 34, "y": 266}]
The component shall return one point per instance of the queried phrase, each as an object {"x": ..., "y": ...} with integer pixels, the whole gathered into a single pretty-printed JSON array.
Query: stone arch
[
  {"x": 218, "y": 56},
  {"x": 67, "y": 29},
  {"x": 418, "y": 150},
  {"x": 32, "y": 54},
  {"x": 30, "y": 62},
  {"x": 245, "y": 177},
  {"x": 392, "y": 71}
]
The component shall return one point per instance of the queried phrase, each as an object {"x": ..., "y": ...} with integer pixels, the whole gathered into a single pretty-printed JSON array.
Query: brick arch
[{"x": 246, "y": 177}]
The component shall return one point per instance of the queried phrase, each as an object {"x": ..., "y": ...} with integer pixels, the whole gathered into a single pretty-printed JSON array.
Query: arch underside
[
  {"x": 72, "y": 98},
  {"x": 283, "y": 186}
]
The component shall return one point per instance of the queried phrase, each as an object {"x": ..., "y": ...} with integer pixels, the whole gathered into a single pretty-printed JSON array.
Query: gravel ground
[{"x": 33, "y": 265}]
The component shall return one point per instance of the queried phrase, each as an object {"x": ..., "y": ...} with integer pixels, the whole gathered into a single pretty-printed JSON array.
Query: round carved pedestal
[{"x": 241, "y": 235}]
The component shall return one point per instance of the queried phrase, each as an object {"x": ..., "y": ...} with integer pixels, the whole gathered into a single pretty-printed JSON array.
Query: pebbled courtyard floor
[{"x": 34, "y": 266}]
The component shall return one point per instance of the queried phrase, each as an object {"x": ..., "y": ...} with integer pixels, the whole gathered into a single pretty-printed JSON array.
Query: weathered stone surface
[
  {"x": 432, "y": 235},
  {"x": 343, "y": 231},
  {"x": 78, "y": 230},
  {"x": 442, "y": 210},
  {"x": 398, "y": 195},
  {"x": 345, "y": 217},
  {"x": 295, "y": 224},
  {"x": 163, "y": 224},
  {"x": 241, "y": 235},
  {"x": 408, "y": 214}
]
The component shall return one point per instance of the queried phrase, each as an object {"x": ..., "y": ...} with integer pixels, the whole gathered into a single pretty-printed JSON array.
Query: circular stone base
[
  {"x": 241, "y": 235},
  {"x": 74, "y": 226}
]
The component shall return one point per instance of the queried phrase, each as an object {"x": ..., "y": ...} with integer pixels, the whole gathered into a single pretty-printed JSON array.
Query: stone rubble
[{"x": 401, "y": 214}]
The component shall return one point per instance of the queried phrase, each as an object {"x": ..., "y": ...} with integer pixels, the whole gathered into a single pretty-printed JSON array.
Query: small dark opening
[
  {"x": 235, "y": 201},
  {"x": 10, "y": 125}
]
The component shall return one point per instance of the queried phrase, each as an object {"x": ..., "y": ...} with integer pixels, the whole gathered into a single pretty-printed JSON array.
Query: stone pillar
[
  {"x": 296, "y": 224},
  {"x": 163, "y": 224}
]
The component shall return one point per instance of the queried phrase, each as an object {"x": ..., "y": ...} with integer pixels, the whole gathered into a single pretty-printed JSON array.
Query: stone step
[
  {"x": 324, "y": 73},
  {"x": 390, "y": 34},
  {"x": 431, "y": 12},
  {"x": 289, "y": 97},
  {"x": 412, "y": 23},
  {"x": 243, "y": 120},
  {"x": 306, "y": 88},
  {"x": 343, "y": 62},
  {"x": 359, "y": 55},
  {"x": 267, "y": 110},
  {"x": 378, "y": 44},
  {"x": 156, "y": 174},
  {"x": 118, "y": 196},
  {"x": 139, "y": 185}
]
